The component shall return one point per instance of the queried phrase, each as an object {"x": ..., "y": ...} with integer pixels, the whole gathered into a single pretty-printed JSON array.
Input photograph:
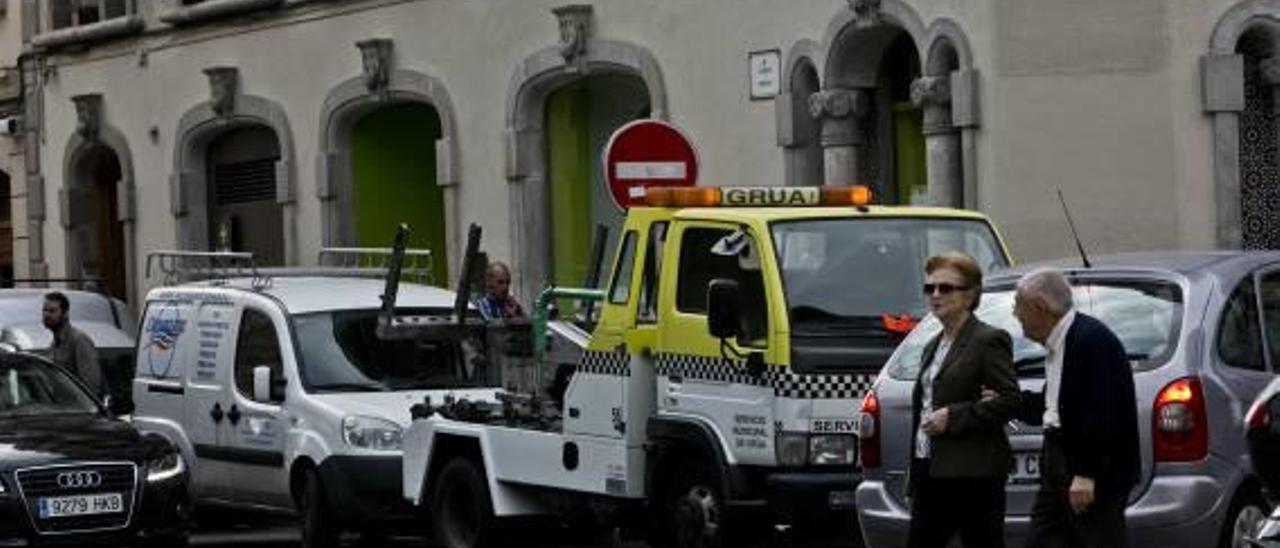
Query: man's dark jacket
[
  {"x": 974, "y": 444},
  {"x": 1096, "y": 407}
]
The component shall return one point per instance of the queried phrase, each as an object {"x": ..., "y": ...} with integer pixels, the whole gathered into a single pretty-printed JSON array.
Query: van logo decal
[{"x": 163, "y": 330}]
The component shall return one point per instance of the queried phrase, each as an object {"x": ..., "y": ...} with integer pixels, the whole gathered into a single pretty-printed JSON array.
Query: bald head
[{"x": 1042, "y": 299}]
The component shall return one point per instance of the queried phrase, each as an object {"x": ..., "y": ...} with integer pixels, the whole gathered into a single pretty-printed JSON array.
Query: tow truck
[{"x": 718, "y": 395}]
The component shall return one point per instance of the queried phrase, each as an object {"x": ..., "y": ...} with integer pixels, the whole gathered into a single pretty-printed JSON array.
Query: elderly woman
[{"x": 960, "y": 453}]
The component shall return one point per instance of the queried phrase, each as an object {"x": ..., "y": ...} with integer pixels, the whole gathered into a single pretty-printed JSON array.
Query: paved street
[{"x": 280, "y": 533}]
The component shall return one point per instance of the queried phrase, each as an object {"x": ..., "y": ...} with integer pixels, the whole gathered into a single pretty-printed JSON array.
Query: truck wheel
[
  {"x": 697, "y": 508},
  {"x": 318, "y": 527},
  {"x": 461, "y": 509}
]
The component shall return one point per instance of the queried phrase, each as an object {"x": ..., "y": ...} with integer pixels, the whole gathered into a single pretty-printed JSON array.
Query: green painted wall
[
  {"x": 569, "y": 158},
  {"x": 393, "y": 160},
  {"x": 908, "y": 129}
]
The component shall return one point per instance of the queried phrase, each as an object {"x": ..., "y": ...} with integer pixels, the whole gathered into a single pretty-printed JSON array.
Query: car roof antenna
[{"x": 1084, "y": 257}]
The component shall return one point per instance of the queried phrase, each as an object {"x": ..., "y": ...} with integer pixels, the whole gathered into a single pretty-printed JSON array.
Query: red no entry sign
[{"x": 647, "y": 153}]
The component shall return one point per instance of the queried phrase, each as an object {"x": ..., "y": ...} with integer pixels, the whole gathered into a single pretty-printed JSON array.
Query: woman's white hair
[{"x": 1050, "y": 287}]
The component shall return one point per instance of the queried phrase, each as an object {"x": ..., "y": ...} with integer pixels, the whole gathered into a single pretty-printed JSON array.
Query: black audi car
[{"x": 72, "y": 475}]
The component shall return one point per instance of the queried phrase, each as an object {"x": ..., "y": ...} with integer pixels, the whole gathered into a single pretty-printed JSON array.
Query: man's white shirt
[{"x": 1053, "y": 368}]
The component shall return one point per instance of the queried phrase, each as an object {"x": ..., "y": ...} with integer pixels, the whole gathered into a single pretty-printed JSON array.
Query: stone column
[
  {"x": 839, "y": 111},
  {"x": 1222, "y": 84},
  {"x": 941, "y": 140}
]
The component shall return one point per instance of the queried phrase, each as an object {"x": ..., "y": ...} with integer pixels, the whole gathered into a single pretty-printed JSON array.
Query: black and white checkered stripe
[
  {"x": 785, "y": 383},
  {"x": 605, "y": 363}
]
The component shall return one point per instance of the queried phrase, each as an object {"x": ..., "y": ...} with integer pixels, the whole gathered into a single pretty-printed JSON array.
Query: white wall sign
[{"x": 766, "y": 73}]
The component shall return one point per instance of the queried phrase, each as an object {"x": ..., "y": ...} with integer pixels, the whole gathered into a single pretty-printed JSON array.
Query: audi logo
[{"x": 79, "y": 479}]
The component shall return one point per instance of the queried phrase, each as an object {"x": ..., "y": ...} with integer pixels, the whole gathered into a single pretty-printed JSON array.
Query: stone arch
[
  {"x": 78, "y": 146},
  {"x": 344, "y": 106},
  {"x": 797, "y": 130},
  {"x": 534, "y": 79},
  {"x": 1224, "y": 86},
  {"x": 861, "y": 70},
  {"x": 189, "y": 184},
  {"x": 855, "y": 47}
]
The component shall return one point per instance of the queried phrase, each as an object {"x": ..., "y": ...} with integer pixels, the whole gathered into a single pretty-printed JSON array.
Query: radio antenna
[{"x": 1084, "y": 258}]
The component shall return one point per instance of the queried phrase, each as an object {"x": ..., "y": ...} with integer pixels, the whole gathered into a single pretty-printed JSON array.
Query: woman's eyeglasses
[{"x": 943, "y": 288}]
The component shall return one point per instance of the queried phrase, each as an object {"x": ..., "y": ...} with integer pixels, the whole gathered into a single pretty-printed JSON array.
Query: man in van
[{"x": 71, "y": 349}]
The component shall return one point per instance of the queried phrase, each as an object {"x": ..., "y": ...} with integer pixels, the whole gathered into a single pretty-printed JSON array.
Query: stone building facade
[{"x": 283, "y": 126}]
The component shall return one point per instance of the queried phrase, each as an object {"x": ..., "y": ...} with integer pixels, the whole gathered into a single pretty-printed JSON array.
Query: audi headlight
[
  {"x": 792, "y": 449},
  {"x": 371, "y": 433},
  {"x": 167, "y": 466},
  {"x": 833, "y": 449}
]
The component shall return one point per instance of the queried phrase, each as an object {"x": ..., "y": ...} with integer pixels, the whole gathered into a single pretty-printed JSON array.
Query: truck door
[
  {"x": 254, "y": 429},
  {"x": 698, "y": 378},
  {"x": 594, "y": 399},
  {"x": 206, "y": 348}
]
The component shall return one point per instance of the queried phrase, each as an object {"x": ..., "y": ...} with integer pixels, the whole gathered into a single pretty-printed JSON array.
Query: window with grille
[{"x": 73, "y": 13}]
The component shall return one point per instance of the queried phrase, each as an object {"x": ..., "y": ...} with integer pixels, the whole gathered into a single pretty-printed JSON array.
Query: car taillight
[
  {"x": 1180, "y": 426},
  {"x": 1259, "y": 416},
  {"x": 869, "y": 431}
]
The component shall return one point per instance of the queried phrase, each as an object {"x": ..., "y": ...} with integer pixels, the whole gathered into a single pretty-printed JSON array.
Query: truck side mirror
[
  {"x": 722, "y": 308},
  {"x": 267, "y": 389}
]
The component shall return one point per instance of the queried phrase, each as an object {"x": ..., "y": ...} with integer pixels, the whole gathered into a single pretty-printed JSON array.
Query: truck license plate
[
  {"x": 81, "y": 505},
  {"x": 1026, "y": 468}
]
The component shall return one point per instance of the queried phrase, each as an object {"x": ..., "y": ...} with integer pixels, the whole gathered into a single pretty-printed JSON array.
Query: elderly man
[
  {"x": 497, "y": 302},
  {"x": 1088, "y": 410},
  {"x": 72, "y": 349}
]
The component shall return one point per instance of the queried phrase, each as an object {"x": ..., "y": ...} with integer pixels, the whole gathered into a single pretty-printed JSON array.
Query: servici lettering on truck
[{"x": 718, "y": 393}]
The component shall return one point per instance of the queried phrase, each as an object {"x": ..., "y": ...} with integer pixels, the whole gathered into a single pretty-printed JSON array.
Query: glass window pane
[
  {"x": 1239, "y": 343},
  {"x": 699, "y": 265},
  {"x": 620, "y": 286},
  {"x": 647, "y": 312},
  {"x": 1271, "y": 315},
  {"x": 257, "y": 345}
]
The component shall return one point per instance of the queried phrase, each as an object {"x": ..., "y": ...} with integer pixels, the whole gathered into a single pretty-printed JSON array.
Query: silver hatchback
[{"x": 1203, "y": 335}]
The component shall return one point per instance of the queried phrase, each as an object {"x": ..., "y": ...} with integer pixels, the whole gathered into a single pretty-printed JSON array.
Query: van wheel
[
  {"x": 461, "y": 508},
  {"x": 1246, "y": 514},
  {"x": 318, "y": 527},
  {"x": 696, "y": 506}
]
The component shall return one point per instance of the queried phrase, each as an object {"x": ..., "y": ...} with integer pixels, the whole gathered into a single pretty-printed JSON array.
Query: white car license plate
[
  {"x": 81, "y": 505},
  {"x": 1026, "y": 468}
]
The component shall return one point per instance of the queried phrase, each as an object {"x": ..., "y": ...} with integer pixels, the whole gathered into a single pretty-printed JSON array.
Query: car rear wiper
[{"x": 356, "y": 386}]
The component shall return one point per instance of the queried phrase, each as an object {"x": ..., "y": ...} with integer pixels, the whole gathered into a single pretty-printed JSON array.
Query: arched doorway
[
  {"x": 1259, "y": 159},
  {"x": 900, "y": 172},
  {"x": 243, "y": 211},
  {"x": 580, "y": 118},
  {"x": 394, "y": 167},
  {"x": 96, "y": 233},
  {"x": 804, "y": 151}
]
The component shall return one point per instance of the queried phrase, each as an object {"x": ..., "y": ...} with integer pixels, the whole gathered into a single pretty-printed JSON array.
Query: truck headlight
[
  {"x": 792, "y": 448},
  {"x": 374, "y": 433},
  {"x": 166, "y": 466},
  {"x": 833, "y": 449}
]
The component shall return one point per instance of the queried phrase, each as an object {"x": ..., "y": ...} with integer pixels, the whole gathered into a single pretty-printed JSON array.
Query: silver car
[
  {"x": 106, "y": 321},
  {"x": 1203, "y": 334}
]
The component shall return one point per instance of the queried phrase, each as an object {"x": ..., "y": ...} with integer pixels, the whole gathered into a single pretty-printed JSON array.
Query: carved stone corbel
[
  {"x": 375, "y": 58},
  {"x": 933, "y": 95},
  {"x": 838, "y": 110},
  {"x": 575, "y": 32},
  {"x": 88, "y": 115},
  {"x": 866, "y": 13},
  {"x": 224, "y": 84}
]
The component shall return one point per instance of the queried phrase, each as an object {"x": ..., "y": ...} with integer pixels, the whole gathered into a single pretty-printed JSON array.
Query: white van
[{"x": 281, "y": 396}]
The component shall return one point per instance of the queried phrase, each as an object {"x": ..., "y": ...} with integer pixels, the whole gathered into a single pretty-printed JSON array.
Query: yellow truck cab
[{"x": 720, "y": 389}]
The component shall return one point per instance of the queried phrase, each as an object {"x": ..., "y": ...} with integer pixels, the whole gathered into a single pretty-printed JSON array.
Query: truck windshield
[
  {"x": 849, "y": 272},
  {"x": 342, "y": 353}
]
